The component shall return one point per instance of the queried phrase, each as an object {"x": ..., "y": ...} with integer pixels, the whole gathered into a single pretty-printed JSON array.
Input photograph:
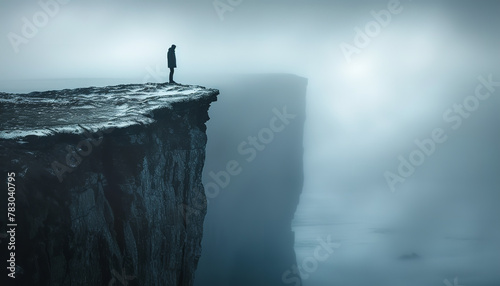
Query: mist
[{"x": 366, "y": 106}]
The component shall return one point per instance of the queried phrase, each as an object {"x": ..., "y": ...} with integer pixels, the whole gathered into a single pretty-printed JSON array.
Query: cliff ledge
[{"x": 107, "y": 183}]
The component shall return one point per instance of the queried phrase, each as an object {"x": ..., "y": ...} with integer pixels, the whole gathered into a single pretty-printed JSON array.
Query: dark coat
[{"x": 172, "y": 62}]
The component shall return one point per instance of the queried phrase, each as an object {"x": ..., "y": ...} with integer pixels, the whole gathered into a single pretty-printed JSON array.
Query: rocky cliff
[{"x": 107, "y": 184}]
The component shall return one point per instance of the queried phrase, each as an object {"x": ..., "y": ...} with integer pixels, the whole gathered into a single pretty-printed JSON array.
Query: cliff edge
[{"x": 106, "y": 184}]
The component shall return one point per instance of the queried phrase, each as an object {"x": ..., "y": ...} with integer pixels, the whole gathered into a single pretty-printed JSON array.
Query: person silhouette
[{"x": 172, "y": 63}]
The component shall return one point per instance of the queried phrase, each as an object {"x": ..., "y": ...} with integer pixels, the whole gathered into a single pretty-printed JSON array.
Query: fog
[{"x": 366, "y": 106}]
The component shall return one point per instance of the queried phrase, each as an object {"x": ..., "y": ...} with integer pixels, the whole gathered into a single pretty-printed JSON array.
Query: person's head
[{"x": 173, "y": 47}]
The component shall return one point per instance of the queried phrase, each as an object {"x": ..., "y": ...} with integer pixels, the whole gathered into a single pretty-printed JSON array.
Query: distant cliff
[
  {"x": 108, "y": 184},
  {"x": 253, "y": 178}
]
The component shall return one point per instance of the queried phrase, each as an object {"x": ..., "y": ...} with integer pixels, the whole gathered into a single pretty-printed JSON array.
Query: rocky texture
[{"x": 108, "y": 183}]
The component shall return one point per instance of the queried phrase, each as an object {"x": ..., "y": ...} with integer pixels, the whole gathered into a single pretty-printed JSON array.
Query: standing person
[{"x": 172, "y": 63}]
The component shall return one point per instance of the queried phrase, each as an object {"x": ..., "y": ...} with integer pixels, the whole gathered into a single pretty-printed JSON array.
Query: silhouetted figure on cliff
[{"x": 172, "y": 63}]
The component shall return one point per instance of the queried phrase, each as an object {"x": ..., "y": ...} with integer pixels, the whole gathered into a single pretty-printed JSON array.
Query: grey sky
[
  {"x": 361, "y": 115},
  {"x": 121, "y": 38}
]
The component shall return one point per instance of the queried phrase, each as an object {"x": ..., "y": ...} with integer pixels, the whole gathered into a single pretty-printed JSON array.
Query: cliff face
[{"x": 111, "y": 192}]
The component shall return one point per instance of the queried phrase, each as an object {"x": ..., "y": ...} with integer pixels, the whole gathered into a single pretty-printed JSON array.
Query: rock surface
[{"x": 108, "y": 183}]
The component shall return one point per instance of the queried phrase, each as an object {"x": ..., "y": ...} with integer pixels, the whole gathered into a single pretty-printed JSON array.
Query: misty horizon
[{"x": 405, "y": 88}]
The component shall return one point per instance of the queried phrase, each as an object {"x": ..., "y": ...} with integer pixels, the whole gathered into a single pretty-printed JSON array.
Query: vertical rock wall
[{"x": 129, "y": 212}]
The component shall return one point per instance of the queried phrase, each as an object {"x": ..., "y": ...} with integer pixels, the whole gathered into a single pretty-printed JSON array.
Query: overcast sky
[
  {"x": 362, "y": 114},
  {"x": 117, "y": 39}
]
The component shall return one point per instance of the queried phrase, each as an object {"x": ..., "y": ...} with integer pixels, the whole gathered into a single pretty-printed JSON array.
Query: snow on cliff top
[{"x": 93, "y": 108}]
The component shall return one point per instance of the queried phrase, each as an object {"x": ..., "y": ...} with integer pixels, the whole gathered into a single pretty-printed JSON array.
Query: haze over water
[{"x": 362, "y": 115}]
